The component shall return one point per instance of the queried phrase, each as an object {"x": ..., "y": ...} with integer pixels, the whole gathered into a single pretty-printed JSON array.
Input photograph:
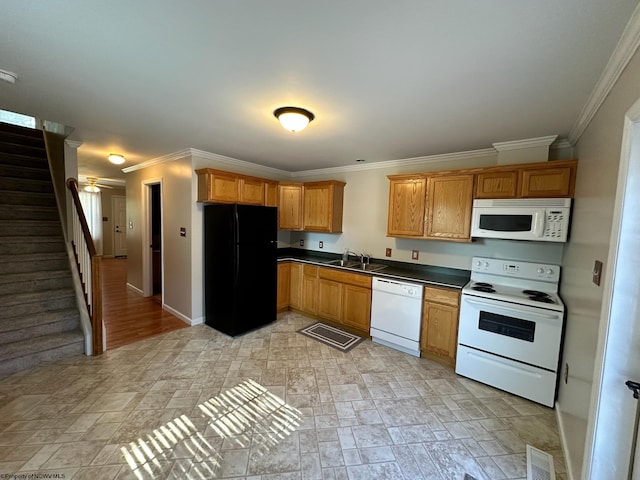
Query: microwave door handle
[
  {"x": 538, "y": 222},
  {"x": 510, "y": 311}
]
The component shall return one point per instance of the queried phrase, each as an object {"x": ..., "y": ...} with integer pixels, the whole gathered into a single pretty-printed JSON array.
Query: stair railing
[{"x": 89, "y": 266}]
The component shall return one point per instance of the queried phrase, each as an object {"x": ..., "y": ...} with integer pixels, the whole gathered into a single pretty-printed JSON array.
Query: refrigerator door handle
[{"x": 237, "y": 240}]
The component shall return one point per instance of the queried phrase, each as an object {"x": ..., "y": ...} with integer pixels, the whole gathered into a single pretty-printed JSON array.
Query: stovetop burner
[
  {"x": 482, "y": 288},
  {"x": 518, "y": 283}
]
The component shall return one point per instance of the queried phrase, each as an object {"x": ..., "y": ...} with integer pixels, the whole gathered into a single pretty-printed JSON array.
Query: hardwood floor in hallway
[{"x": 129, "y": 317}]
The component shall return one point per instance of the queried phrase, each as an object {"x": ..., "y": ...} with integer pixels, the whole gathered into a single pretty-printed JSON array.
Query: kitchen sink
[
  {"x": 343, "y": 263},
  {"x": 365, "y": 267}
]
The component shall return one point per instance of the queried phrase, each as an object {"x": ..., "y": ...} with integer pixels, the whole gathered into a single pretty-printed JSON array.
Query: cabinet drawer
[
  {"x": 341, "y": 276},
  {"x": 442, "y": 295},
  {"x": 310, "y": 270}
]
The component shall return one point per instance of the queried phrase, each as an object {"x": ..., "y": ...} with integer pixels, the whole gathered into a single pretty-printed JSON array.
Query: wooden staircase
[{"x": 39, "y": 317}]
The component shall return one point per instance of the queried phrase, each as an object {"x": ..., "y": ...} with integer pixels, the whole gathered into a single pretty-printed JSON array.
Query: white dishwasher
[{"x": 396, "y": 310}]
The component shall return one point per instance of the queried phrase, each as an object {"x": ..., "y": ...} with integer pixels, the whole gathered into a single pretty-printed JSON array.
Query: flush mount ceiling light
[
  {"x": 7, "y": 76},
  {"x": 293, "y": 119},
  {"x": 116, "y": 158}
]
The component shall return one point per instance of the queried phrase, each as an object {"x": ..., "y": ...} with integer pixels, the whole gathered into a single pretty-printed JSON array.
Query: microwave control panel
[{"x": 553, "y": 224}]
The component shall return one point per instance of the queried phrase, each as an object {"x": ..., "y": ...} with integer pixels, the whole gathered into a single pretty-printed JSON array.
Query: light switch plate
[
  {"x": 320, "y": 244},
  {"x": 302, "y": 242},
  {"x": 387, "y": 252},
  {"x": 597, "y": 272},
  {"x": 414, "y": 254}
]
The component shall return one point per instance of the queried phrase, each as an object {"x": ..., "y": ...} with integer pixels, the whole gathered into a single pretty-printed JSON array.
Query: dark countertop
[{"x": 426, "y": 274}]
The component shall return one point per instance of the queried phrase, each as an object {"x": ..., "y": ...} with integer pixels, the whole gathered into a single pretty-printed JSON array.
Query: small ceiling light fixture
[
  {"x": 293, "y": 119},
  {"x": 92, "y": 187},
  {"x": 7, "y": 76},
  {"x": 116, "y": 158}
]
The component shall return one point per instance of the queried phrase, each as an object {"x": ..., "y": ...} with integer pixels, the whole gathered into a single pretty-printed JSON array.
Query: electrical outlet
[
  {"x": 566, "y": 373},
  {"x": 302, "y": 242},
  {"x": 414, "y": 254},
  {"x": 320, "y": 244},
  {"x": 596, "y": 276},
  {"x": 387, "y": 252}
]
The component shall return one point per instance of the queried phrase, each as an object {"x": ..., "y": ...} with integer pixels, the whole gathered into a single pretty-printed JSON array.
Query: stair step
[
  {"x": 25, "y": 354},
  {"x": 21, "y": 304},
  {"x": 24, "y": 161},
  {"x": 18, "y": 130},
  {"x": 31, "y": 244},
  {"x": 21, "y": 139},
  {"x": 17, "y": 228},
  {"x": 12, "y": 148},
  {"x": 23, "y": 171},
  {"x": 14, "y": 283},
  {"x": 30, "y": 326},
  {"x": 26, "y": 185},
  {"x": 8, "y": 197},
  {"x": 28, "y": 212},
  {"x": 33, "y": 262}
]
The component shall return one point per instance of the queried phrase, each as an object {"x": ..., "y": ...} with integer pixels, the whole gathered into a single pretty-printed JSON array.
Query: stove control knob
[
  {"x": 478, "y": 264},
  {"x": 541, "y": 270},
  {"x": 549, "y": 271},
  {"x": 486, "y": 264}
]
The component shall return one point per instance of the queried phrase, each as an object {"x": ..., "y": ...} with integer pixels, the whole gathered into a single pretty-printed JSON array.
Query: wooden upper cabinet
[
  {"x": 218, "y": 186},
  {"x": 290, "y": 196},
  {"x": 551, "y": 179},
  {"x": 323, "y": 203},
  {"x": 271, "y": 194},
  {"x": 449, "y": 202},
  {"x": 407, "y": 196},
  {"x": 499, "y": 184},
  {"x": 548, "y": 181},
  {"x": 251, "y": 191}
]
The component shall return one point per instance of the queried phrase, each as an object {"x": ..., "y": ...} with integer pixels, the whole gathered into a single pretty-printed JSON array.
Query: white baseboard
[
  {"x": 176, "y": 313},
  {"x": 197, "y": 321},
  {"x": 563, "y": 442},
  {"x": 135, "y": 289}
]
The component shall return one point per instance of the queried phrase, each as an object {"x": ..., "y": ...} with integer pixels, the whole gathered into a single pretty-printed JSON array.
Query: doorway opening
[
  {"x": 156, "y": 242},
  {"x": 152, "y": 256},
  {"x": 612, "y": 449}
]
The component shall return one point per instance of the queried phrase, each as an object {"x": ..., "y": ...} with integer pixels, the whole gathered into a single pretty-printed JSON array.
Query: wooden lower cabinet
[
  {"x": 329, "y": 299},
  {"x": 309, "y": 289},
  {"x": 356, "y": 307},
  {"x": 342, "y": 298},
  {"x": 295, "y": 285},
  {"x": 439, "y": 332},
  {"x": 284, "y": 285}
]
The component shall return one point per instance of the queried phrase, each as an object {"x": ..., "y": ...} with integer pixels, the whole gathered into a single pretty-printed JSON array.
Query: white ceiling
[{"x": 386, "y": 80}]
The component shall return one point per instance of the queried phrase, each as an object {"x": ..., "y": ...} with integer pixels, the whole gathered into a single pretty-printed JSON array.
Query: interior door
[
  {"x": 119, "y": 211},
  {"x": 610, "y": 452}
]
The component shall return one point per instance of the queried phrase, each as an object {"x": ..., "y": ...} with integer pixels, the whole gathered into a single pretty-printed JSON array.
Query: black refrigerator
[{"x": 240, "y": 267}]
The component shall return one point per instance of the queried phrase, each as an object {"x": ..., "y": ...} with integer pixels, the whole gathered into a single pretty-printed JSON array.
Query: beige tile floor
[{"x": 272, "y": 404}]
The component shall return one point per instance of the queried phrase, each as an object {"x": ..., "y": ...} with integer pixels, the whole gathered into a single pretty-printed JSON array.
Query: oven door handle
[{"x": 500, "y": 307}]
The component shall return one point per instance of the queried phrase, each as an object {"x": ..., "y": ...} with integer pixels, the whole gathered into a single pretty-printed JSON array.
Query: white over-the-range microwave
[{"x": 537, "y": 219}]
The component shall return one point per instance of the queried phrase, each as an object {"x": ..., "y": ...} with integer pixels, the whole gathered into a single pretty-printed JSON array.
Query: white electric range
[{"x": 511, "y": 327}]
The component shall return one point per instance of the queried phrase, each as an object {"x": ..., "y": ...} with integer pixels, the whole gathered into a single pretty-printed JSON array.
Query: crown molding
[
  {"x": 73, "y": 143},
  {"x": 625, "y": 49},
  {"x": 158, "y": 160},
  {"x": 403, "y": 162},
  {"x": 525, "y": 143},
  {"x": 234, "y": 162},
  {"x": 561, "y": 143}
]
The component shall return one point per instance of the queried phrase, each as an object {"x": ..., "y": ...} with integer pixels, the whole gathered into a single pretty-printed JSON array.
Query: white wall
[
  {"x": 176, "y": 205},
  {"x": 365, "y": 222},
  {"x": 598, "y": 151}
]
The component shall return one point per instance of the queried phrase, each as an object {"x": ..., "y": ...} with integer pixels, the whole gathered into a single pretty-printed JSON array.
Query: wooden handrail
[
  {"x": 89, "y": 267},
  {"x": 72, "y": 184}
]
